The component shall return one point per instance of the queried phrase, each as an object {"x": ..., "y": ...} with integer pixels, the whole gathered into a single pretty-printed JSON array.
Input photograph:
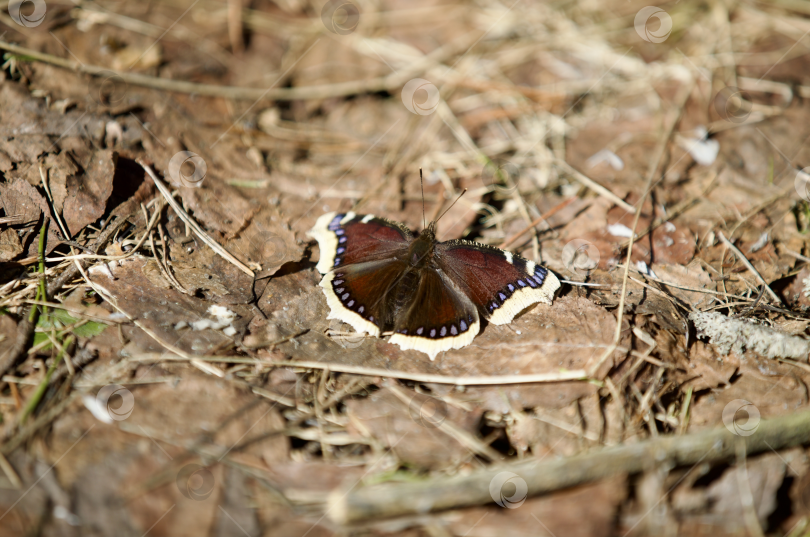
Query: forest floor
[{"x": 167, "y": 366}]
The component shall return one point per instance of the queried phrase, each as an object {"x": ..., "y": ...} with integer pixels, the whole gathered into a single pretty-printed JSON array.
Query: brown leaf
[
  {"x": 59, "y": 168},
  {"x": 692, "y": 275},
  {"x": 8, "y": 333},
  {"x": 21, "y": 200},
  {"x": 87, "y": 193},
  {"x": 10, "y": 246},
  {"x": 193, "y": 279},
  {"x": 161, "y": 309},
  {"x": 218, "y": 207},
  {"x": 266, "y": 242}
]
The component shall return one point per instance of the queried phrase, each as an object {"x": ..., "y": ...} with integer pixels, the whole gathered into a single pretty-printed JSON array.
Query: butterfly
[{"x": 379, "y": 275}]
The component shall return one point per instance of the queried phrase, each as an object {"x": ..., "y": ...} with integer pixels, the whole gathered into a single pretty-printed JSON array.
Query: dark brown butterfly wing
[
  {"x": 435, "y": 315},
  {"x": 501, "y": 284},
  {"x": 357, "y": 293}
]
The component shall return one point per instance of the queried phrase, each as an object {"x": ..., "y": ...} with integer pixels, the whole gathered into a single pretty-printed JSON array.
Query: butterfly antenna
[
  {"x": 451, "y": 206},
  {"x": 422, "y": 184}
]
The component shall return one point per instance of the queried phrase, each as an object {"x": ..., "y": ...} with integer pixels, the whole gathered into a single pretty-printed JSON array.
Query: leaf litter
[{"x": 548, "y": 115}]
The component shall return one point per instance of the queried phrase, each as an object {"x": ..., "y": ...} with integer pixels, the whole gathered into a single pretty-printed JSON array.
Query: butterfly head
[{"x": 421, "y": 249}]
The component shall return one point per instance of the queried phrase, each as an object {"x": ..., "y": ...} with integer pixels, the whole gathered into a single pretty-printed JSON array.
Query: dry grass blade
[
  {"x": 744, "y": 260},
  {"x": 560, "y": 376},
  {"x": 193, "y": 223}
]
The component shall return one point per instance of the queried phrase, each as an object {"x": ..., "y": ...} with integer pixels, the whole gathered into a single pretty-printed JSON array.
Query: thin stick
[
  {"x": 192, "y": 223},
  {"x": 551, "y": 474},
  {"x": 739, "y": 255},
  {"x": 683, "y": 420},
  {"x": 560, "y": 376}
]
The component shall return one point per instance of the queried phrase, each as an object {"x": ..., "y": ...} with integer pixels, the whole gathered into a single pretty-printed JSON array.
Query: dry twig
[{"x": 441, "y": 493}]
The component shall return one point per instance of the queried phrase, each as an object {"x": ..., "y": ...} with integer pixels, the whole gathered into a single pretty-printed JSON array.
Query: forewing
[
  {"x": 501, "y": 284},
  {"x": 346, "y": 238}
]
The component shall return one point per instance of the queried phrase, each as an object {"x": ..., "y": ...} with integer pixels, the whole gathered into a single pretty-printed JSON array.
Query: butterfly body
[{"x": 378, "y": 275}]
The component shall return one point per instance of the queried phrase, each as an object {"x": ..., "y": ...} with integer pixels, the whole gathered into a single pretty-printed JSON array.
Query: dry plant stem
[
  {"x": 134, "y": 249},
  {"x": 739, "y": 255},
  {"x": 438, "y": 494},
  {"x": 560, "y": 376},
  {"x": 452, "y": 430},
  {"x": 655, "y": 163},
  {"x": 12, "y": 476},
  {"x": 678, "y": 209},
  {"x": 684, "y": 416},
  {"x": 341, "y": 89},
  {"x": 25, "y": 329},
  {"x": 791, "y": 253},
  {"x": 161, "y": 258},
  {"x": 77, "y": 313},
  {"x": 184, "y": 216},
  {"x": 164, "y": 269},
  {"x": 40, "y": 390}
]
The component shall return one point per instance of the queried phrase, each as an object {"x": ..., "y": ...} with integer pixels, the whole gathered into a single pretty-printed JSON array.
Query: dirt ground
[{"x": 167, "y": 364}]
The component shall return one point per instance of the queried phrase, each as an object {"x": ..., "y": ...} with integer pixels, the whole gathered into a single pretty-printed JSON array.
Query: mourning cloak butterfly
[{"x": 378, "y": 274}]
